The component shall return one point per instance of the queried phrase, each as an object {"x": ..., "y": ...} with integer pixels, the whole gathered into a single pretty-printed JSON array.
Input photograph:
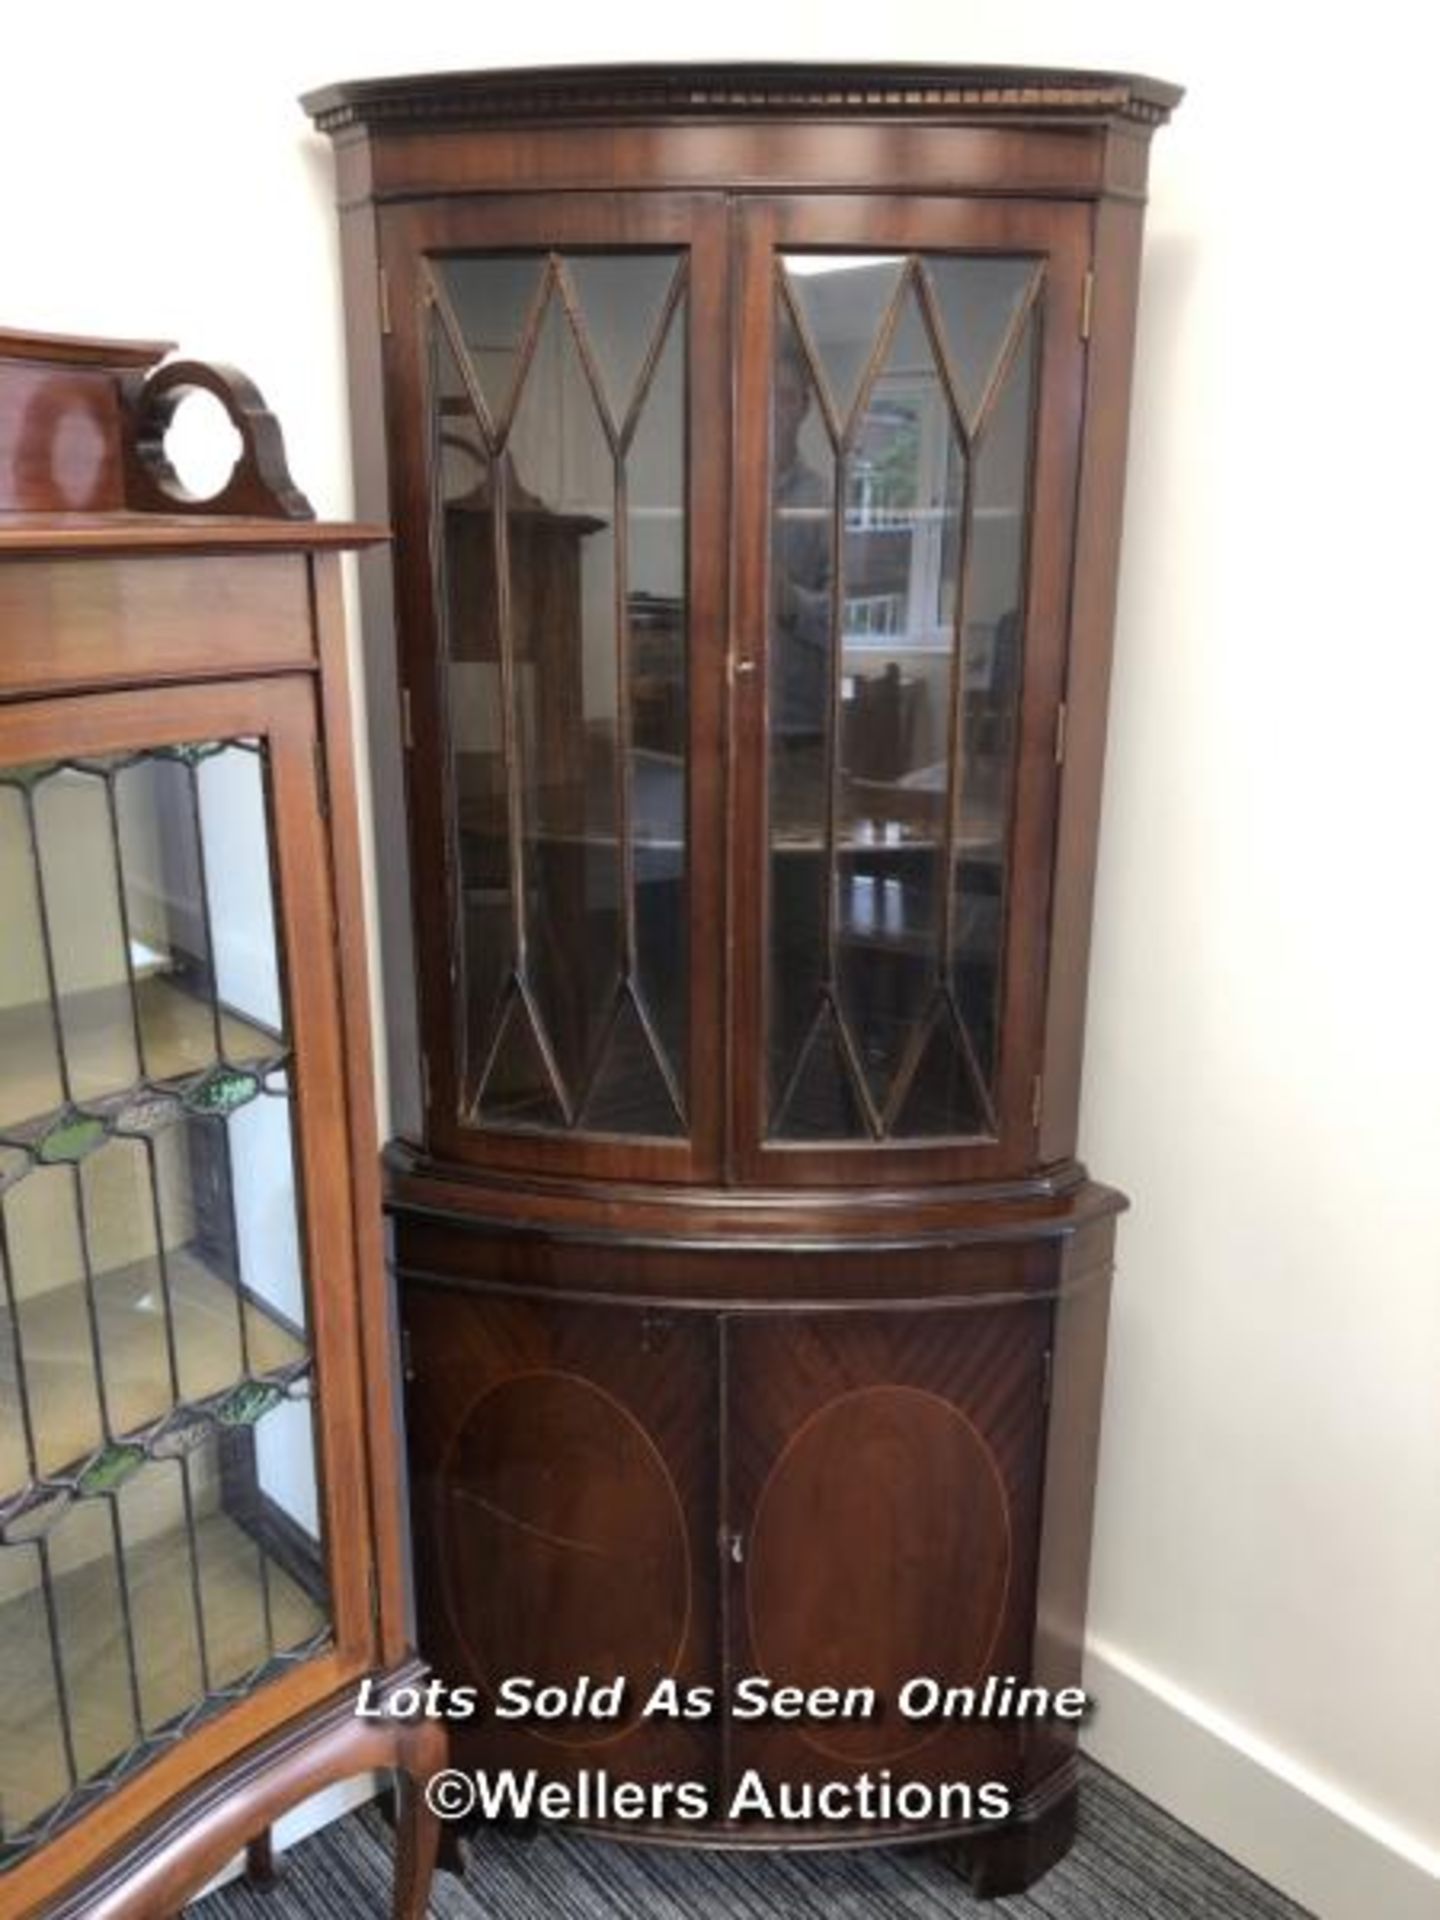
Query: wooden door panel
[
  {"x": 186, "y": 1537},
  {"x": 891, "y": 897},
  {"x": 563, "y": 1487},
  {"x": 883, "y": 1492},
  {"x": 563, "y": 845}
]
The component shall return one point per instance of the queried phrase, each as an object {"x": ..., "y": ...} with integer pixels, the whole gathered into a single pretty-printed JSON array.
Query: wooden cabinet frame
[{"x": 823, "y": 1263}]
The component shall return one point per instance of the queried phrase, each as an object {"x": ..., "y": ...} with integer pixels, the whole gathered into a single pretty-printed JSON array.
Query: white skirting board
[{"x": 1302, "y": 1833}]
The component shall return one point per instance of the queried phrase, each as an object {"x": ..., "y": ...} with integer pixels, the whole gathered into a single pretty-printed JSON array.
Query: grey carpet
[{"x": 1131, "y": 1862}]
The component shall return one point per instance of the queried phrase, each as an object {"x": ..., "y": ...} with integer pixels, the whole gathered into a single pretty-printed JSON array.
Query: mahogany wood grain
[
  {"x": 82, "y": 350},
  {"x": 1092, "y": 617},
  {"x": 60, "y": 440},
  {"x": 61, "y": 428},
  {"x": 73, "y": 624},
  {"x": 882, "y": 1505},
  {"x": 563, "y": 1473},
  {"x": 670, "y": 1273},
  {"x": 1050, "y": 1205},
  {"x": 77, "y": 535},
  {"x": 1001, "y": 130},
  {"x": 260, "y": 481},
  {"x": 990, "y": 162},
  {"x": 380, "y": 1427}
]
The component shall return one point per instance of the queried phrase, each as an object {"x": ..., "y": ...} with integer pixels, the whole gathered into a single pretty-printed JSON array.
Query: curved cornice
[{"x": 951, "y": 94}]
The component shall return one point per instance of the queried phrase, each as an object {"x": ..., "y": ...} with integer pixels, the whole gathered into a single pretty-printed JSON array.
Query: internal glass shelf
[
  {"x": 177, "y": 1029},
  {"x": 203, "y": 1613},
  {"x": 141, "y": 1383}
]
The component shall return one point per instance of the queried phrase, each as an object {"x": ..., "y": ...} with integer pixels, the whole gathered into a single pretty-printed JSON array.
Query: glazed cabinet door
[
  {"x": 883, "y": 1495},
  {"x": 563, "y": 1480},
  {"x": 182, "y": 1517},
  {"x": 559, "y": 463},
  {"x": 909, "y": 412}
]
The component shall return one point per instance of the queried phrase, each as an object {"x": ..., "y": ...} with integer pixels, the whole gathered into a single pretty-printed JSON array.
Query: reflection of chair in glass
[
  {"x": 990, "y": 705},
  {"x": 657, "y": 679}
]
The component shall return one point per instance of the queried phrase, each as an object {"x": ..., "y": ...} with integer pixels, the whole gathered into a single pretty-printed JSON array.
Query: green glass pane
[
  {"x": 250, "y": 1402},
  {"x": 110, "y": 1469},
  {"x": 223, "y": 1092},
  {"x": 71, "y": 1138}
]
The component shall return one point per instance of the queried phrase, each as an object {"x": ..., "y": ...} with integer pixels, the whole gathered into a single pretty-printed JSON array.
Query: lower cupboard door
[
  {"x": 883, "y": 1486},
  {"x": 562, "y": 1463}
]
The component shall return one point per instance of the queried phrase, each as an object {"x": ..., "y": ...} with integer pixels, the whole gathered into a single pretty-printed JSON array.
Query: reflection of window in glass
[{"x": 903, "y": 482}]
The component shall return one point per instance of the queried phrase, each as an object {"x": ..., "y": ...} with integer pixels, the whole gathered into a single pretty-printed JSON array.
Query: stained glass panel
[{"x": 157, "y": 1555}]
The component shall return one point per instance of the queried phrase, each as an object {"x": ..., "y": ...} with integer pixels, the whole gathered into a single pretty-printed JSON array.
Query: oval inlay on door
[
  {"x": 881, "y": 1550},
  {"x": 561, "y": 1530}
]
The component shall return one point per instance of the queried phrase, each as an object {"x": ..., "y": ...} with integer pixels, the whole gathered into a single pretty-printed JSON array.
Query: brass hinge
[
  {"x": 322, "y": 781},
  {"x": 1062, "y": 721},
  {"x": 1037, "y": 1090},
  {"x": 384, "y": 301},
  {"x": 407, "y": 727},
  {"x": 1047, "y": 1376},
  {"x": 733, "y": 1547},
  {"x": 1087, "y": 303}
]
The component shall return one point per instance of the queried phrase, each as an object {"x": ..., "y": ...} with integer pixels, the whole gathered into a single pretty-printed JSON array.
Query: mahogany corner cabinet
[
  {"x": 201, "y": 1544},
  {"x": 754, "y": 441}
]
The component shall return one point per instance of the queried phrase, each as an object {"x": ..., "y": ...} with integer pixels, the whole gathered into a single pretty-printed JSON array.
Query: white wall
[{"x": 1264, "y": 1055}]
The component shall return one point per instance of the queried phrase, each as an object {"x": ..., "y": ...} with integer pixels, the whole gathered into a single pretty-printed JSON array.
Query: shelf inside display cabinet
[
  {"x": 216, "y": 1337},
  {"x": 195, "y": 1616},
  {"x": 177, "y": 1032}
]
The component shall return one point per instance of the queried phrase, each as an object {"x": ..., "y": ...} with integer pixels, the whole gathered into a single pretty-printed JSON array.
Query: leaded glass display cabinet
[
  {"x": 200, "y": 1544},
  {"x": 754, "y": 440}
]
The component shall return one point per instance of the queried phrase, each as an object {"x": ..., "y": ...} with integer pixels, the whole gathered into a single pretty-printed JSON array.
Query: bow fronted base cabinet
[
  {"x": 200, "y": 1533},
  {"x": 754, "y": 440}
]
